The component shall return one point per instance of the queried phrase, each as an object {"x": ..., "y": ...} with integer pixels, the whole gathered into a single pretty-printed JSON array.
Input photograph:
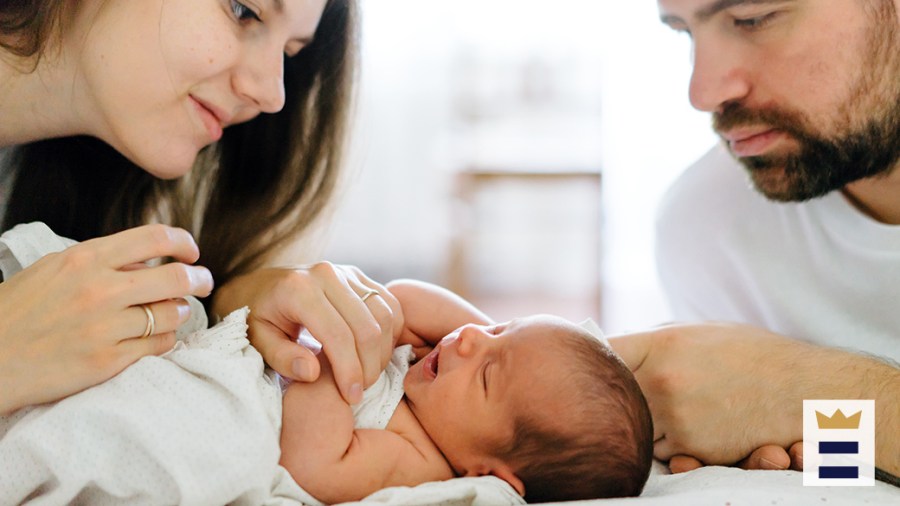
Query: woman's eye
[
  {"x": 242, "y": 12},
  {"x": 756, "y": 22}
]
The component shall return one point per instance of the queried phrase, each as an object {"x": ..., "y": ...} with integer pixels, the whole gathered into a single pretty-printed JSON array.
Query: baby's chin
[{"x": 407, "y": 380}]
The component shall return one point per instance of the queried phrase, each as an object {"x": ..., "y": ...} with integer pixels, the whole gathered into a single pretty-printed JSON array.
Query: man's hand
[
  {"x": 718, "y": 392},
  {"x": 704, "y": 384},
  {"x": 767, "y": 458}
]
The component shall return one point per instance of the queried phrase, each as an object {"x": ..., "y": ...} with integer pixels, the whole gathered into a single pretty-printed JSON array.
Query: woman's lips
[
  {"x": 210, "y": 121},
  {"x": 755, "y": 144}
]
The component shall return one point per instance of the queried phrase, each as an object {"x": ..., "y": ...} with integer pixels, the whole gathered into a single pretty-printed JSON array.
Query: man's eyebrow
[
  {"x": 279, "y": 5},
  {"x": 714, "y": 8}
]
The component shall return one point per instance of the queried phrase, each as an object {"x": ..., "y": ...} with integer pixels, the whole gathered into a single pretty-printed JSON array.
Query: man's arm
[
  {"x": 335, "y": 462},
  {"x": 719, "y": 391}
]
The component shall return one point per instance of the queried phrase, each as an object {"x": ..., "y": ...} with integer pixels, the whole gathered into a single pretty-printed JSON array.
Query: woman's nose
[{"x": 259, "y": 79}]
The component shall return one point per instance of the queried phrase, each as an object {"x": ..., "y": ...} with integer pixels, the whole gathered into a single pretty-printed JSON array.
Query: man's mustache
[{"x": 736, "y": 116}]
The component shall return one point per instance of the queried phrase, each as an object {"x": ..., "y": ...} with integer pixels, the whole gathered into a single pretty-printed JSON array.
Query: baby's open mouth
[{"x": 430, "y": 364}]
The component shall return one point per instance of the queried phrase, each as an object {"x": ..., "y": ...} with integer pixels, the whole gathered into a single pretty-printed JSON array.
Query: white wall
[{"x": 612, "y": 59}]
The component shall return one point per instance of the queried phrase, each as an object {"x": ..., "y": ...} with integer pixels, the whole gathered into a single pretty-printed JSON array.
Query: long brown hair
[{"x": 254, "y": 191}]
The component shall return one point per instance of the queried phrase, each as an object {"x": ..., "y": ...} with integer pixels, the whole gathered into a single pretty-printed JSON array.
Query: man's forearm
[
  {"x": 887, "y": 421},
  {"x": 844, "y": 375},
  {"x": 692, "y": 375}
]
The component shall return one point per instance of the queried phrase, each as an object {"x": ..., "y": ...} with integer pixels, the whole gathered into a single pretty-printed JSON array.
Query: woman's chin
[{"x": 171, "y": 167}]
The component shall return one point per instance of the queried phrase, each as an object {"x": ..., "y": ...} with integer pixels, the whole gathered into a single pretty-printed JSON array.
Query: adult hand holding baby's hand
[
  {"x": 357, "y": 335},
  {"x": 717, "y": 392},
  {"x": 74, "y": 319}
]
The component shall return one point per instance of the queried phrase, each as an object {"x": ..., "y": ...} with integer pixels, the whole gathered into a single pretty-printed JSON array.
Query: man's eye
[
  {"x": 242, "y": 12},
  {"x": 756, "y": 22}
]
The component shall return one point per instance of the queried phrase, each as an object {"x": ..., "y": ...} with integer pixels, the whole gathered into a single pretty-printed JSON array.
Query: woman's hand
[
  {"x": 74, "y": 319},
  {"x": 357, "y": 336}
]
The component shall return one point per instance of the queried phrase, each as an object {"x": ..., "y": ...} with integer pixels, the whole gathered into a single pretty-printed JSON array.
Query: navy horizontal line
[
  {"x": 846, "y": 447},
  {"x": 851, "y": 472}
]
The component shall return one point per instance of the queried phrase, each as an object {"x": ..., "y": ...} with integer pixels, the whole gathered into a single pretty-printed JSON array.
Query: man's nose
[
  {"x": 718, "y": 78},
  {"x": 259, "y": 79}
]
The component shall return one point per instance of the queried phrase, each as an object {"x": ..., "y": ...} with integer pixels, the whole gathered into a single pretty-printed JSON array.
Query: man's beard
[{"x": 826, "y": 163}]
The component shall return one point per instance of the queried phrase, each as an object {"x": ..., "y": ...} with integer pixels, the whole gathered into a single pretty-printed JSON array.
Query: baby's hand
[{"x": 420, "y": 346}]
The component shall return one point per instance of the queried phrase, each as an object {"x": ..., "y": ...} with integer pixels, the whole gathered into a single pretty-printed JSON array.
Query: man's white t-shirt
[{"x": 820, "y": 271}]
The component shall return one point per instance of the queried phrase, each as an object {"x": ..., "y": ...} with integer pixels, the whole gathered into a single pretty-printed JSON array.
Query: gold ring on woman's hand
[
  {"x": 369, "y": 294},
  {"x": 150, "y": 329}
]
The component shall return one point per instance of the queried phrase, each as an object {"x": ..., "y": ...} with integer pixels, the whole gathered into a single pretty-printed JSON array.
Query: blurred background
[{"x": 516, "y": 150}]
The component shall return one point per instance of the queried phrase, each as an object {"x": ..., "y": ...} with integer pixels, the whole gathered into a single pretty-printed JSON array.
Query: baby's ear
[{"x": 506, "y": 474}]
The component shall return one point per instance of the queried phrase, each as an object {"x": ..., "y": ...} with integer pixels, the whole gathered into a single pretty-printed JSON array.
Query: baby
[{"x": 538, "y": 402}]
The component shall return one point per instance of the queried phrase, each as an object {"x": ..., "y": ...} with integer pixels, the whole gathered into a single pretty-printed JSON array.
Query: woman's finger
[
  {"x": 132, "y": 350},
  {"x": 286, "y": 357},
  {"x": 145, "y": 243},
  {"x": 167, "y": 281},
  {"x": 371, "y": 326},
  {"x": 158, "y": 318},
  {"x": 310, "y": 308},
  {"x": 385, "y": 308}
]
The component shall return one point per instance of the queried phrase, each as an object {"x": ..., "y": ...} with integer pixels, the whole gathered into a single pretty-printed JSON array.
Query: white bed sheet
[{"x": 709, "y": 486}]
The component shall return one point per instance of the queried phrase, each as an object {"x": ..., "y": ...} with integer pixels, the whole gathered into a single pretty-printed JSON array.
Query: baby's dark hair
[{"x": 601, "y": 446}]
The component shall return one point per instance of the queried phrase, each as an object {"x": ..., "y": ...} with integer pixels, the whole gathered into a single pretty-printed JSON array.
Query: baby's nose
[{"x": 470, "y": 338}]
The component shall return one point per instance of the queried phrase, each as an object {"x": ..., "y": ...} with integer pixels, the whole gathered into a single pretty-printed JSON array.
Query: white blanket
[{"x": 199, "y": 425}]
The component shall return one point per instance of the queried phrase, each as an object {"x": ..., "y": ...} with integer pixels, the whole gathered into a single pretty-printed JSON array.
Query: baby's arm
[
  {"x": 431, "y": 312},
  {"x": 335, "y": 462}
]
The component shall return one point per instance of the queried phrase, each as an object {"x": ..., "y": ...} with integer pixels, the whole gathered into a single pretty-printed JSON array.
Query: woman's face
[{"x": 162, "y": 78}]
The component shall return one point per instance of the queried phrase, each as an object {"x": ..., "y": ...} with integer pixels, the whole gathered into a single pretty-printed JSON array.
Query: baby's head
[{"x": 538, "y": 402}]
